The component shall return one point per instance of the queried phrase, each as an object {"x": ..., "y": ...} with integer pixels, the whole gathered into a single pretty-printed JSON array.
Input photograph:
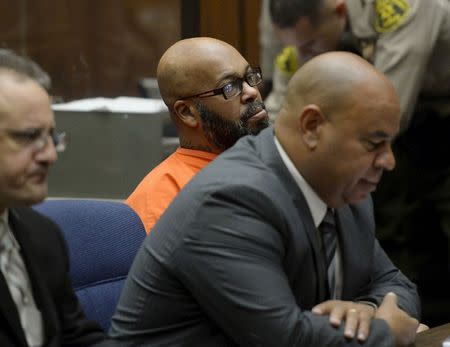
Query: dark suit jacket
[
  {"x": 44, "y": 253},
  {"x": 235, "y": 260}
]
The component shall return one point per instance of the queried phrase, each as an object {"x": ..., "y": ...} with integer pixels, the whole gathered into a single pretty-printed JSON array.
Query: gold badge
[
  {"x": 287, "y": 60},
  {"x": 390, "y": 14}
]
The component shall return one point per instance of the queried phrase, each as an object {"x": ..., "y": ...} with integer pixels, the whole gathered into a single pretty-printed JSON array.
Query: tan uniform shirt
[
  {"x": 412, "y": 45},
  {"x": 270, "y": 45},
  {"x": 408, "y": 40}
]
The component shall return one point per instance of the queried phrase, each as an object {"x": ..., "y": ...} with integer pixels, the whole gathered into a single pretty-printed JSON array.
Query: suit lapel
[
  {"x": 9, "y": 311},
  {"x": 356, "y": 250},
  {"x": 270, "y": 155},
  {"x": 41, "y": 292},
  {"x": 313, "y": 236}
]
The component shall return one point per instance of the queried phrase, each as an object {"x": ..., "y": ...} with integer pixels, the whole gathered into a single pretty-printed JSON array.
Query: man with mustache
[
  {"x": 273, "y": 244},
  {"x": 38, "y": 307},
  {"x": 212, "y": 96}
]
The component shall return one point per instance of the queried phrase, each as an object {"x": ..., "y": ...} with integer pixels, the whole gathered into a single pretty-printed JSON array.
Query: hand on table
[
  {"x": 357, "y": 316},
  {"x": 403, "y": 326},
  {"x": 422, "y": 327}
]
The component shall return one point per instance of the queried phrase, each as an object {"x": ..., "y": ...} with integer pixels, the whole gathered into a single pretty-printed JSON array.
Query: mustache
[
  {"x": 42, "y": 169},
  {"x": 252, "y": 109}
]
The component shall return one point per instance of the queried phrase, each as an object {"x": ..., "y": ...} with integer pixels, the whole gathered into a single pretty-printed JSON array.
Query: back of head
[
  {"x": 332, "y": 81},
  {"x": 24, "y": 67},
  {"x": 285, "y": 13}
]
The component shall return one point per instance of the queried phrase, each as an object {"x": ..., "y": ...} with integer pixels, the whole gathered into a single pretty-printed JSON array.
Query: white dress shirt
[{"x": 318, "y": 209}]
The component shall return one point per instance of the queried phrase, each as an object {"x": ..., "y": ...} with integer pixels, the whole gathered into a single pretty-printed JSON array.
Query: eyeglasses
[
  {"x": 37, "y": 139},
  {"x": 253, "y": 77}
]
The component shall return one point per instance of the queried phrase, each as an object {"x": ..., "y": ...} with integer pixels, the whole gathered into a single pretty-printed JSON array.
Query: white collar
[
  {"x": 316, "y": 205},
  {"x": 5, "y": 229},
  {"x": 4, "y": 222}
]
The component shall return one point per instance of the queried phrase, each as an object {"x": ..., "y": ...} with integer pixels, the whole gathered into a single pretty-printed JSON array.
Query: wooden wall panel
[
  {"x": 92, "y": 48},
  {"x": 233, "y": 21},
  {"x": 221, "y": 19},
  {"x": 11, "y": 33},
  {"x": 103, "y": 47},
  {"x": 252, "y": 10}
]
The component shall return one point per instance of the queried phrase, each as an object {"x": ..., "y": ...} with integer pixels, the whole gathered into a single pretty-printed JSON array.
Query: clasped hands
[{"x": 358, "y": 316}]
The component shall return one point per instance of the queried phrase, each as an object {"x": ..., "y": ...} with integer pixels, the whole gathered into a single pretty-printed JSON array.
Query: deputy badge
[
  {"x": 287, "y": 60},
  {"x": 390, "y": 14}
]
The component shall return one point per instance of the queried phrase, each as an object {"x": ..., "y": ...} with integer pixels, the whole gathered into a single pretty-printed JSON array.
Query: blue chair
[{"x": 103, "y": 238}]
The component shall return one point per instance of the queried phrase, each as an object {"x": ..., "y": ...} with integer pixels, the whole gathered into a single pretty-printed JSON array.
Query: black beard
[{"x": 224, "y": 133}]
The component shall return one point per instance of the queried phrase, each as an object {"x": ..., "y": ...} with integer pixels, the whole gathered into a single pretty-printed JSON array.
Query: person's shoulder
[
  {"x": 244, "y": 156},
  {"x": 159, "y": 185},
  {"x": 42, "y": 233},
  {"x": 162, "y": 168},
  {"x": 30, "y": 217},
  {"x": 167, "y": 174},
  {"x": 370, "y": 18},
  {"x": 152, "y": 196},
  {"x": 156, "y": 182},
  {"x": 247, "y": 166}
]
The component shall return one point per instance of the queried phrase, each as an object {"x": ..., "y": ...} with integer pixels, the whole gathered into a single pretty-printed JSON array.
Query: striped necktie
[{"x": 328, "y": 234}]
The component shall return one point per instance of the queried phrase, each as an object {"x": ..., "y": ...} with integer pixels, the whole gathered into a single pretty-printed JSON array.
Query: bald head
[
  {"x": 190, "y": 64},
  {"x": 333, "y": 81},
  {"x": 337, "y": 124}
]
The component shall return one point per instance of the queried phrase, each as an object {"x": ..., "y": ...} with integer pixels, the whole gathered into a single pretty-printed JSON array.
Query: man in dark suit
[
  {"x": 242, "y": 256},
  {"x": 38, "y": 306}
]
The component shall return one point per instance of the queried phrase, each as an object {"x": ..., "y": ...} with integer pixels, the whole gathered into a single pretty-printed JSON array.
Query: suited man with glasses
[
  {"x": 38, "y": 306},
  {"x": 212, "y": 96}
]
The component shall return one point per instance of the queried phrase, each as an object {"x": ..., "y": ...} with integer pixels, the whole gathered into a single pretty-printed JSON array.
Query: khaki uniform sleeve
[
  {"x": 269, "y": 43},
  {"x": 285, "y": 65},
  {"x": 407, "y": 36}
]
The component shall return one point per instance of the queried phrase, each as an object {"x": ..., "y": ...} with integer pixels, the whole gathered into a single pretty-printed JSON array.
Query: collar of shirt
[
  {"x": 3, "y": 226},
  {"x": 5, "y": 230},
  {"x": 196, "y": 153},
  {"x": 316, "y": 205}
]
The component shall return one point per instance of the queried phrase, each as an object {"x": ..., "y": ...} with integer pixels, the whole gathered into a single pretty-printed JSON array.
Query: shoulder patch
[
  {"x": 287, "y": 60},
  {"x": 390, "y": 14}
]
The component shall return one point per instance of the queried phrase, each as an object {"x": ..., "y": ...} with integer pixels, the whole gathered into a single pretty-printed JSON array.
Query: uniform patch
[
  {"x": 287, "y": 60},
  {"x": 390, "y": 14}
]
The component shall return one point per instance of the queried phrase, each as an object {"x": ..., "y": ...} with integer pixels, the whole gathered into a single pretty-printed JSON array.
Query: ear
[
  {"x": 310, "y": 123},
  {"x": 341, "y": 8},
  {"x": 186, "y": 112}
]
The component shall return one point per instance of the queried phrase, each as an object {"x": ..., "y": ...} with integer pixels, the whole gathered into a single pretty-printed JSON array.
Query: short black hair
[
  {"x": 285, "y": 13},
  {"x": 24, "y": 66}
]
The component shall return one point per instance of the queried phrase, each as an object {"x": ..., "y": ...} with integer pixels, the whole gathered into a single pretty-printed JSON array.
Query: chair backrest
[{"x": 103, "y": 238}]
